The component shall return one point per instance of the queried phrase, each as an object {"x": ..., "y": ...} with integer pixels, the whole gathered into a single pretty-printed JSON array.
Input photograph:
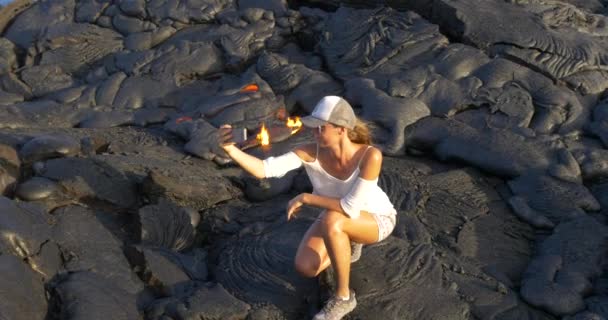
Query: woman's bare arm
[{"x": 249, "y": 163}]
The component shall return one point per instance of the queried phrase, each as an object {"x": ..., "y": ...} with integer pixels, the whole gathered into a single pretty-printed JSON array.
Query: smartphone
[{"x": 239, "y": 134}]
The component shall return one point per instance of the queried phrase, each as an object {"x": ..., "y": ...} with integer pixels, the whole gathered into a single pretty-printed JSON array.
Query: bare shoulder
[
  {"x": 372, "y": 156},
  {"x": 306, "y": 152},
  {"x": 371, "y": 164}
]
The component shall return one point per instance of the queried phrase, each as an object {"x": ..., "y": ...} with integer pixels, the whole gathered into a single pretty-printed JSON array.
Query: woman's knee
[
  {"x": 307, "y": 267},
  {"x": 332, "y": 221}
]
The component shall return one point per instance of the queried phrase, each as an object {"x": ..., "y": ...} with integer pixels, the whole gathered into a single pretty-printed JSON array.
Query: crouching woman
[{"x": 343, "y": 168}]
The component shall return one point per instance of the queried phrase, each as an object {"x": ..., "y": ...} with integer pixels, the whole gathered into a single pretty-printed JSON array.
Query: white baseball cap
[{"x": 332, "y": 109}]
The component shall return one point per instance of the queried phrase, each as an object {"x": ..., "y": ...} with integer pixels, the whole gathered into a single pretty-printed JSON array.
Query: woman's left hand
[{"x": 294, "y": 205}]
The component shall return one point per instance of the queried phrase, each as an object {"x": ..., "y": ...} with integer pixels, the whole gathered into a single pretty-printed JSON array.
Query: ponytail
[{"x": 360, "y": 133}]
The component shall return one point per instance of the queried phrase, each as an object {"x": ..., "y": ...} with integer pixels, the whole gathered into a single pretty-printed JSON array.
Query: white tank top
[{"x": 324, "y": 184}]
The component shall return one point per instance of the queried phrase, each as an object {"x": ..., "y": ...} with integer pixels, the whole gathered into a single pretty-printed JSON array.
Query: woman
[{"x": 343, "y": 169}]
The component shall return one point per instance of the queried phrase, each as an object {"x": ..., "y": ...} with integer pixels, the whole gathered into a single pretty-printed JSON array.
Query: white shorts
[{"x": 386, "y": 225}]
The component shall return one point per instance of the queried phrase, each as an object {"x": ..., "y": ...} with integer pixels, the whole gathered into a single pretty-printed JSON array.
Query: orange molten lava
[
  {"x": 295, "y": 124},
  {"x": 263, "y": 136},
  {"x": 250, "y": 88}
]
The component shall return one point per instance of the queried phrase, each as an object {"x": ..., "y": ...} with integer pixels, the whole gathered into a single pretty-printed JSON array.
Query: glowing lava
[{"x": 250, "y": 88}]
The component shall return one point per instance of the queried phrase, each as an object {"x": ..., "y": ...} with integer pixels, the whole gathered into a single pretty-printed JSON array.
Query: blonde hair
[{"x": 360, "y": 133}]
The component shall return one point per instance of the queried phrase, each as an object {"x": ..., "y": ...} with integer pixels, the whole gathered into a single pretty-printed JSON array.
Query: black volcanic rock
[
  {"x": 206, "y": 301},
  {"x": 87, "y": 245},
  {"x": 22, "y": 295},
  {"x": 168, "y": 226},
  {"x": 49, "y": 146},
  {"x": 87, "y": 295},
  {"x": 28, "y": 235},
  {"x": 9, "y": 169},
  {"x": 491, "y": 116}
]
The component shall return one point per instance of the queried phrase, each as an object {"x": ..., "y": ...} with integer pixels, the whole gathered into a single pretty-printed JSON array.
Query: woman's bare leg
[
  {"x": 311, "y": 257},
  {"x": 327, "y": 241},
  {"x": 338, "y": 231}
]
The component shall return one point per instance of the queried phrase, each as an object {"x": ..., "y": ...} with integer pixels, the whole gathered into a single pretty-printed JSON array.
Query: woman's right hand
[
  {"x": 225, "y": 136},
  {"x": 249, "y": 163}
]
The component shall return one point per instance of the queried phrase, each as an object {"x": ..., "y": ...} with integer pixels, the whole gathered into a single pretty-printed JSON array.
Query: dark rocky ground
[{"x": 118, "y": 204}]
